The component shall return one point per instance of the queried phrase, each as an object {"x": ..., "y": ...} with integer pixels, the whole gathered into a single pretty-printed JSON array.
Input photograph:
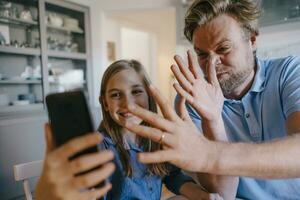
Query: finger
[
  {"x": 183, "y": 93},
  {"x": 90, "y": 161},
  {"x": 95, "y": 193},
  {"x": 184, "y": 69},
  {"x": 77, "y": 144},
  {"x": 167, "y": 111},
  {"x": 153, "y": 134},
  {"x": 193, "y": 65},
  {"x": 183, "y": 111},
  {"x": 211, "y": 72},
  {"x": 94, "y": 177},
  {"x": 188, "y": 98},
  {"x": 50, "y": 145},
  {"x": 156, "y": 157},
  {"x": 187, "y": 85},
  {"x": 152, "y": 118}
]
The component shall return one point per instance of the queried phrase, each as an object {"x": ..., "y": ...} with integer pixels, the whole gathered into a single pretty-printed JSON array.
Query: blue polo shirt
[
  {"x": 141, "y": 186},
  {"x": 260, "y": 116}
]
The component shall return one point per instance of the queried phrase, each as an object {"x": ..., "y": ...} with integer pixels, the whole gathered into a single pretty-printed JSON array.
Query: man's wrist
[
  {"x": 214, "y": 129},
  {"x": 213, "y": 157}
]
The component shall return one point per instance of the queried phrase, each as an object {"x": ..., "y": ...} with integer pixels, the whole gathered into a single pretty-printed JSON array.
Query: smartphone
[{"x": 69, "y": 117}]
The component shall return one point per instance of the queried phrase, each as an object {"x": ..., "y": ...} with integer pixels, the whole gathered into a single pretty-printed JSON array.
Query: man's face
[{"x": 223, "y": 40}]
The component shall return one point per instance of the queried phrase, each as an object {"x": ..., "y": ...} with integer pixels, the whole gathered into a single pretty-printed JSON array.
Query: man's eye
[
  {"x": 223, "y": 50},
  {"x": 202, "y": 55}
]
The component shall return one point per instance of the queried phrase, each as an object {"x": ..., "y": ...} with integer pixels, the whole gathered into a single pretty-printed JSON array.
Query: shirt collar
[
  {"x": 260, "y": 76},
  {"x": 128, "y": 145}
]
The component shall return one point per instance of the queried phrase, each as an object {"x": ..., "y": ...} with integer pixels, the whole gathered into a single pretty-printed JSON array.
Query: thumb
[{"x": 50, "y": 146}]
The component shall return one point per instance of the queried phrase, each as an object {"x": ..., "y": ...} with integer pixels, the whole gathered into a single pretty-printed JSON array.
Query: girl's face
[{"x": 123, "y": 89}]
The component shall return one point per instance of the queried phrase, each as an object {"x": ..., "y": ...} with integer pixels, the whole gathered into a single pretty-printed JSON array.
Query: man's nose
[{"x": 213, "y": 59}]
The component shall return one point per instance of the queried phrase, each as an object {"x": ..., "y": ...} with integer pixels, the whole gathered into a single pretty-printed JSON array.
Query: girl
[{"x": 125, "y": 83}]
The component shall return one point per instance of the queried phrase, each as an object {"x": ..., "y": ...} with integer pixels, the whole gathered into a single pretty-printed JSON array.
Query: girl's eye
[
  {"x": 137, "y": 92},
  {"x": 115, "y": 95}
]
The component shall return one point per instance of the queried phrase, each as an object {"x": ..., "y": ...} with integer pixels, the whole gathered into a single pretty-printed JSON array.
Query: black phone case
[{"x": 69, "y": 117}]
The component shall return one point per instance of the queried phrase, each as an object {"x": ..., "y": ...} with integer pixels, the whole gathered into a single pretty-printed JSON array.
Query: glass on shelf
[
  {"x": 19, "y": 24},
  {"x": 20, "y": 80},
  {"x": 65, "y": 29}
]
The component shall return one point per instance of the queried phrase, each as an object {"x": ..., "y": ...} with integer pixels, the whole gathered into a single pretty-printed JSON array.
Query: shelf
[
  {"x": 55, "y": 83},
  {"x": 16, "y": 21},
  {"x": 65, "y": 29},
  {"x": 20, "y": 51},
  {"x": 67, "y": 55},
  {"x": 15, "y": 82},
  {"x": 8, "y": 111}
]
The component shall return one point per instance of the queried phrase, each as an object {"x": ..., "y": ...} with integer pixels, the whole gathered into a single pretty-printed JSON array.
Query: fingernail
[{"x": 131, "y": 107}]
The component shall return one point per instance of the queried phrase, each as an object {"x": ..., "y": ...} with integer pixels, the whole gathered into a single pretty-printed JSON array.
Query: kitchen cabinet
[{"x": 44, "y": 48}]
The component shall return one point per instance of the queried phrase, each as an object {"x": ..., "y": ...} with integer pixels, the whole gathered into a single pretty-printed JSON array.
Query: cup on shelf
[
  {"x": 28, "y": 73},
  {"x": 27, "y": 97},
  {"x": 26, "y": 15},
  {"x": 4, "y": 101}
]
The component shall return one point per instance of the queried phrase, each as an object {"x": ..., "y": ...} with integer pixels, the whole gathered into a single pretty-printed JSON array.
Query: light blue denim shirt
[
  {"x": 260, "y": 116},
  {"x": 140, "y": 186}
]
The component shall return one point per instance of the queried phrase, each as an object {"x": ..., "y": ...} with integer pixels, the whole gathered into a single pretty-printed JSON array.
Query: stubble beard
[{"x": 237, "y": 78}]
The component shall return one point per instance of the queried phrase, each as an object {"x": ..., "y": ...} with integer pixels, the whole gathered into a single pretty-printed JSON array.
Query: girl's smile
[{"x": 124, "y": 88}]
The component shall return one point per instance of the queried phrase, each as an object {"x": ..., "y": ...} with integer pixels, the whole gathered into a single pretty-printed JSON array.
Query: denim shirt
[{"x": 141, "y": 185}]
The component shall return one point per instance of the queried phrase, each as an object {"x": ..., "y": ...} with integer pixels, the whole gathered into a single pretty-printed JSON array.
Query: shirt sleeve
[
  {"x": 175, "y": 179},
  {"x": 290, "y": 86}
]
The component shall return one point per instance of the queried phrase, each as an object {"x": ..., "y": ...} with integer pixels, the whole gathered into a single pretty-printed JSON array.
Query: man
[{"x": 260, "y": 111}]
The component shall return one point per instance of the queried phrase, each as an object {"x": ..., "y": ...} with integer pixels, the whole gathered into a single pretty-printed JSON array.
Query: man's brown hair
[{"x": 246, "y": 12}]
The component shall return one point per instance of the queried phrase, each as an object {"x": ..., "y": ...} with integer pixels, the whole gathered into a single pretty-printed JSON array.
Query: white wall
[
  {"x": 136, "y": 44},
  {"x": 279, "y": 40},
  {"x": 165, "y": 31}
]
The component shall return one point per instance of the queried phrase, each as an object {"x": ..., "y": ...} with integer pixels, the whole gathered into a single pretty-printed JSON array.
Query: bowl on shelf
[
  {"x": 55, "y": 20},
  {"x": 20, "y": 103},
  {"x": 72, "y": 24}
]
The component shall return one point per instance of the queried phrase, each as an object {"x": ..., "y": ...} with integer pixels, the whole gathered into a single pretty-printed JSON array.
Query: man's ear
[
  {"x": 103, "y": 102},
  {"x": 253, "y": 41}
]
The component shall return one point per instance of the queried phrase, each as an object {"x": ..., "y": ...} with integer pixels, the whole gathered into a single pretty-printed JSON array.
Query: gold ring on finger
[{"x": 160, "y": 141}]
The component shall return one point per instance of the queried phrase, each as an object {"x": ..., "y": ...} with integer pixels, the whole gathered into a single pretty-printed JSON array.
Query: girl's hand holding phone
[{"x": 58, "y": 180}]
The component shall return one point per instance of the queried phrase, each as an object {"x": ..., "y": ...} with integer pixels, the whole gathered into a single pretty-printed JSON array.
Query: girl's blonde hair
[{"x": 110, "y": 127}]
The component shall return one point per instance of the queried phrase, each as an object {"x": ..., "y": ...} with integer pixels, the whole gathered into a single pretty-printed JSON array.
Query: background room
[{"x": 54, "y": 45}]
